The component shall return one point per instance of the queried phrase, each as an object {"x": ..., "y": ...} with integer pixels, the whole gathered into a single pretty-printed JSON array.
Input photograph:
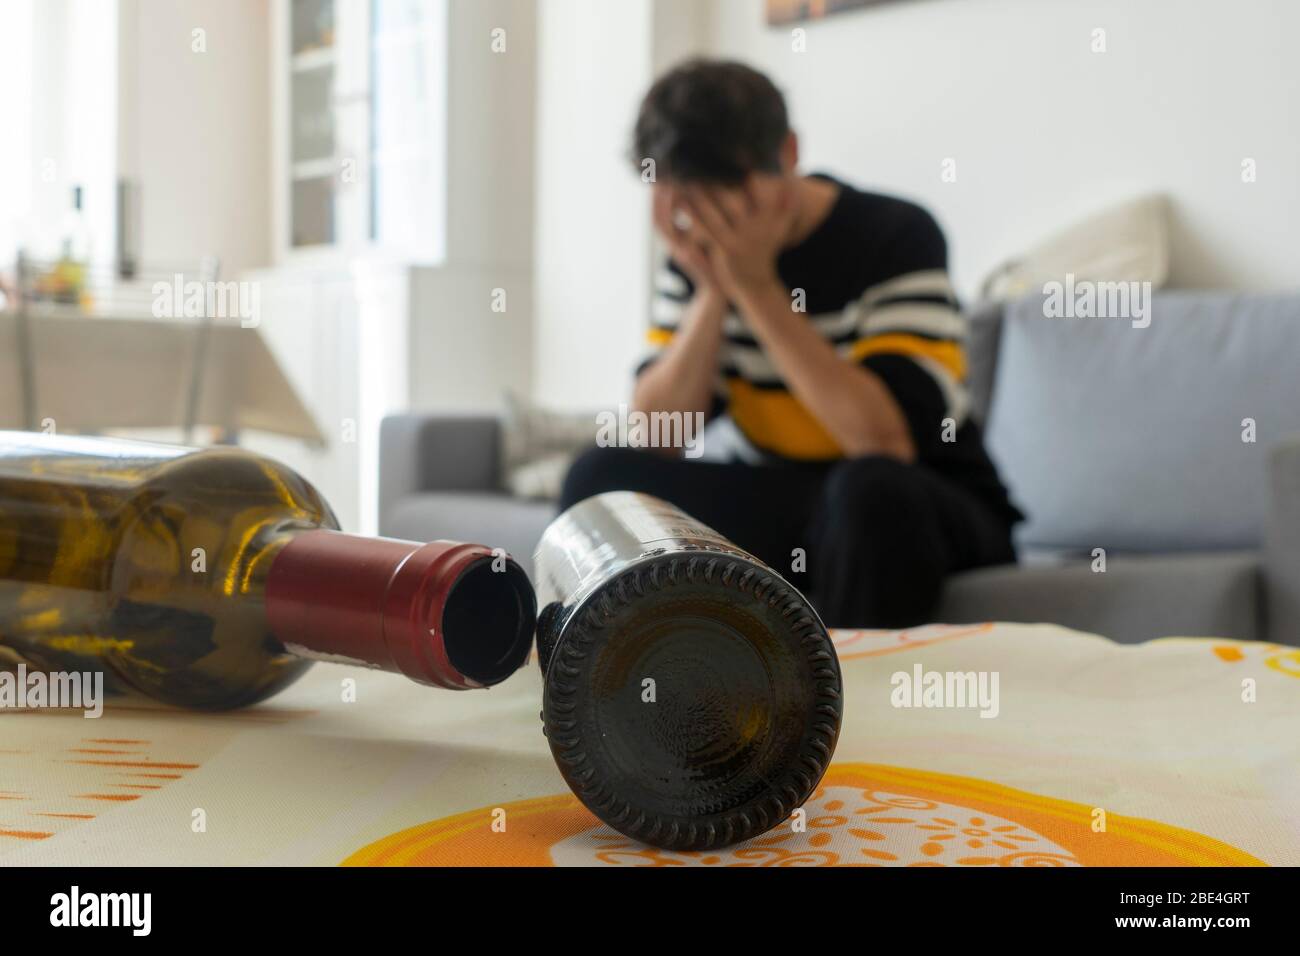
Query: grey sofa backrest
[
  {"x": 438, "y": 453},
  {"x": 984, "y": 326},
  {"x": 1137, "y": 438}
]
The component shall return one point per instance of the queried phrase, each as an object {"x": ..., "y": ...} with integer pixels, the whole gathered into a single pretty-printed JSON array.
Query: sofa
[{"x": 1159, "y": 465}]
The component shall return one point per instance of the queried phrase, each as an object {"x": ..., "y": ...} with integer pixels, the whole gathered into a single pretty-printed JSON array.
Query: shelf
[
  {"x": 315, "y": 169},
  {"x": 316, "y": 59}
]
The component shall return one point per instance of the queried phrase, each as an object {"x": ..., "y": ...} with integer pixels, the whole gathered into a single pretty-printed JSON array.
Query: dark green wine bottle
[{"x": 692, "y": 696}]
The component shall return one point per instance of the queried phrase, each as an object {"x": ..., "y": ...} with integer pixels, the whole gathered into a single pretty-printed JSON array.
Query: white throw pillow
[
  {"x": 539, "y": 444},
  {"x": 1125, "y": 243}
]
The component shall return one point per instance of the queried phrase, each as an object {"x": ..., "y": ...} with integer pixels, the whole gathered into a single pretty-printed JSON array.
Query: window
[
  {"x": 407, "y": 141},
  {"x": 367, "y": 152}
]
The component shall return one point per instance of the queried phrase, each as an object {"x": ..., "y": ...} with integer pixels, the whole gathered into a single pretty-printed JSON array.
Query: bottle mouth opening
[{"x": 488, "y": 620}]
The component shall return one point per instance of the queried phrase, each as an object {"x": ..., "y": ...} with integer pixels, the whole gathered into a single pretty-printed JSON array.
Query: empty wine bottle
[
  {"x": 211, "y": 578},
  {"x": 692, "y": 697}
]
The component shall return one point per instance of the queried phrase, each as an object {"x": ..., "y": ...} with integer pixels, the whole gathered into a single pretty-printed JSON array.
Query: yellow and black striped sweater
[{"x": 873, "y": 279}]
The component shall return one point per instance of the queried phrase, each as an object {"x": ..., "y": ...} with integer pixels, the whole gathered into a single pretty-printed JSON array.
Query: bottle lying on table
[
  {"x": 692, "y": 696},
  {"x": 211, "y": 578}
]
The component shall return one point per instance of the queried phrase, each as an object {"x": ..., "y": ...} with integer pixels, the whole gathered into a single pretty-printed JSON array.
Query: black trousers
[{"x": 869, "y": 540}]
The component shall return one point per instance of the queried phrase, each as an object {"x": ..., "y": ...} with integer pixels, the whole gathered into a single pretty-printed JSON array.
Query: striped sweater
[{"x": 872, "y": 278}]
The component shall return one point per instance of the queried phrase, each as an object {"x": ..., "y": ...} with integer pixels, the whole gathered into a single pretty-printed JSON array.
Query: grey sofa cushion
[
  {"x": 1131, "y": 438},
  {"x": 491, "y": 518},
  {"x": 1135, "y": 599}
]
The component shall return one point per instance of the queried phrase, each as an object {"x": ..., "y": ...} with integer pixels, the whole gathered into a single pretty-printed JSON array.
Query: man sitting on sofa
[{"x": 821, "y": 320}]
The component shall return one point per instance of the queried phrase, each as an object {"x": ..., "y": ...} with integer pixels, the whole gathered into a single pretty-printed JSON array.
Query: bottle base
[{"x": 694, "y": 701}]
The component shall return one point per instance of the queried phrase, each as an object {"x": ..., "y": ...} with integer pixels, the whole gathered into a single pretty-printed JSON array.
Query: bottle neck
[{"x": 446, "y": 614}]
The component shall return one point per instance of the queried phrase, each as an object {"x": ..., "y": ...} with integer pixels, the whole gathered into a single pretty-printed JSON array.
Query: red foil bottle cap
[{"x": 447, "y": 614}]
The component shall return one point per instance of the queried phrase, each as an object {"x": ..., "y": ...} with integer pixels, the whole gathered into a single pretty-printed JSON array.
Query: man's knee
[
  {"x": 598, "y": 470},
  {"x": 876, "y": 491},
  {"x": 878, "y": 531}
]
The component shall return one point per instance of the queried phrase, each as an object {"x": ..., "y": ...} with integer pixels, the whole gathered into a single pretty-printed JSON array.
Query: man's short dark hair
[{"x": 711, "y": 121}]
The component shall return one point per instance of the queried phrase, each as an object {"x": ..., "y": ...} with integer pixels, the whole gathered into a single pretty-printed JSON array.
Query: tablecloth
[{"x": 1181, "y": 751}]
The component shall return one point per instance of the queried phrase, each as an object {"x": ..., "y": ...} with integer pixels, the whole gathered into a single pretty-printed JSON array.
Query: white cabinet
[
  {"x": 309, "y": 321},
  {"x": 393, "y": 238},
  {"x": 358, "y": 167},
  {"x": 359, "y": 129}
]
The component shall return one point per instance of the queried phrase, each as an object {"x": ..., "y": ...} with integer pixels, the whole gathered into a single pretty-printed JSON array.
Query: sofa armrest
[
  {"x": 437, "y": 453},
  {"x": 1282, "y": 543}
]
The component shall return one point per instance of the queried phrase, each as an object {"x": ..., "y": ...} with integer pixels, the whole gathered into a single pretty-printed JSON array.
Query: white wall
[
  {"x": 464, "y": 354},
  {"x": 16, "y": 40},
  {"x": 59, "y": 64},
  {"x": 195, "y": 129},
  {"x": 116, "y": 90},
  {"x": 592, "y": 221},
  {"x": 1044, "y": 130},
  {"x": 490, "y": 132},
  {"x": 593, "y": 239}
]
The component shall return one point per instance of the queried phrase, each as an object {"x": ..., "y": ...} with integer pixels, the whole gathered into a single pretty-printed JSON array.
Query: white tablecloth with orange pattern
[{"x": 1181, "y": 751}]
